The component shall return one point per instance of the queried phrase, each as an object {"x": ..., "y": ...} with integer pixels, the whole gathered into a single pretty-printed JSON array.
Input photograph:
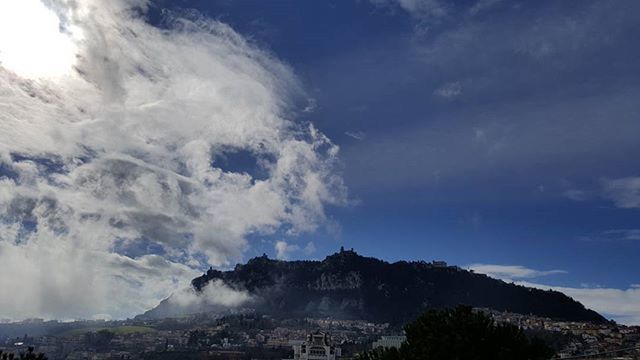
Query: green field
[{"x": 122, "y": 330}]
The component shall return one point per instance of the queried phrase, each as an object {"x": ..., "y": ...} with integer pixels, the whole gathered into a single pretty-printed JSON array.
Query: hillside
[{"x": 347, "y": 285}]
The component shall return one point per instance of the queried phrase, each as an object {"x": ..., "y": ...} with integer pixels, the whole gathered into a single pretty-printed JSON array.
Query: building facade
[
  {"x": 316, "y": 347},
  {"x": 389, "y": 342}
]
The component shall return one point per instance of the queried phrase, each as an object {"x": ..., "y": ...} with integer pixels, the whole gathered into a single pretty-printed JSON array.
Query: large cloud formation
[{"x": 113, "y": 184}]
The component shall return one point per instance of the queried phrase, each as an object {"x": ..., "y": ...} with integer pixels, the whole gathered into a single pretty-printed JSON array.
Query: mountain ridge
[{"x": 350, "y": 286}]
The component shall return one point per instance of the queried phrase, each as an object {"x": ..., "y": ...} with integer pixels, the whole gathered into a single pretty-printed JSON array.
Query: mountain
[{"x": 347, "y": 285}]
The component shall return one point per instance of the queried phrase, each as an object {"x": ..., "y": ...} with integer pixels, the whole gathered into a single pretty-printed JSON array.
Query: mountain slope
[{"x": 347, "y": 285}]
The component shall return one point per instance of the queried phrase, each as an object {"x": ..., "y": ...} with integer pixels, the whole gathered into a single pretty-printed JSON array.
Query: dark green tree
[{"x": 462, "y": 334}]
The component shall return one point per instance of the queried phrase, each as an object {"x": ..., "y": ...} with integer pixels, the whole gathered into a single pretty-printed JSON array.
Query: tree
[
  {"x": 462, "y": 334},
  {"x": 29, "y": 355},
  {"x": 100, "y": 339}
]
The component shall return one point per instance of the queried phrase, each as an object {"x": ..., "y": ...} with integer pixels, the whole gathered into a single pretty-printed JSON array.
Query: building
[
  {"x": 389, "y": 342},
  {"x": 316, "y": 347}
]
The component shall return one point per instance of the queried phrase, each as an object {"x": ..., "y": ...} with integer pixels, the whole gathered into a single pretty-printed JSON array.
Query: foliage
[
  {"x": 29, "y": 355},
  {"x": 99, "y": 339},
  {"x": 462, "y": 334},
  {"x": 556, "y": 340}
]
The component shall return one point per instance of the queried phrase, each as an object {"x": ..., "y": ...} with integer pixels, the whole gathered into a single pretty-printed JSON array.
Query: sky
[{"x": 144, "y": 141}]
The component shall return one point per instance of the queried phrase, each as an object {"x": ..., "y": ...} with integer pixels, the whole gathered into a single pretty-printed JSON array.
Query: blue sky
[
  {"x": 471, "y": 131},
  {"x": 146, "y": 141},
  {"x": 483, "y": 136}
]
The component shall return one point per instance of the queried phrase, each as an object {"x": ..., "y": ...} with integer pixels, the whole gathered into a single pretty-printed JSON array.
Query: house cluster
[
  {"x": 580, "y": 338},
  {"x": 317, "y": 339},
  {"x": 300, "y": 339}
]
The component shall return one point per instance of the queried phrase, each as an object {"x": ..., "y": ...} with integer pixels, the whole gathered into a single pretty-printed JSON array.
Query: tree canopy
[{"x": 462, "y": 334}]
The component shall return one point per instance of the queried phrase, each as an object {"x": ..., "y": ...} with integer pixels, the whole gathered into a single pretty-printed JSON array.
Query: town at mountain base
[{"x": 346, "y": 285}]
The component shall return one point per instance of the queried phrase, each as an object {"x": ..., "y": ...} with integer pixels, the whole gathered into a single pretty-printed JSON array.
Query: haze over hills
[{"x": 350, "y": 286}]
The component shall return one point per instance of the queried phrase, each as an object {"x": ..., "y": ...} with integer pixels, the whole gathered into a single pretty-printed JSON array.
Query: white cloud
[
  {"x": 28, "y": 22},
  {"x": 621, "y": 305},
  {"x": 126, "y": 151},
  {"x": 284, "y": 250},
  {"x": 509, "y": 272},
  {"x": 213, "y": 293},
  {"x": 624, "y": 192}
]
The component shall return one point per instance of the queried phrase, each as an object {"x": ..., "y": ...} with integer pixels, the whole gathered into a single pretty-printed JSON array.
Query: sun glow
[{"x": 33, "y": 43}]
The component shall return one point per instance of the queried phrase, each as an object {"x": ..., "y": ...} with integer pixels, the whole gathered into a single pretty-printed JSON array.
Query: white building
[
  {"x": 316, "y": 347},
  {"x": 390, "y": 342}
]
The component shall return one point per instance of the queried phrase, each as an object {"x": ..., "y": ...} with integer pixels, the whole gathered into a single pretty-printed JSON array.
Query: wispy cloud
[
  {"x": 449, "y": 90},
  {"x": 575, "y": 195},
  {"x": 358, "y": 135},
  {"x": 311, "y": 106},
  {"x": 624, "y": 192},
  {"x": 612, "y": 236},
  {"x": 511, "y": 272},
  {"x": 623, "y": 234},
  {"x": 482, "y": 5},
  {"x": 420, "y": 9}
]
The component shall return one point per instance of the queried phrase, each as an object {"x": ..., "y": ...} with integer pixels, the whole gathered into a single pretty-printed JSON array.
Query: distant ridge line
[{"x": 346, "y": 285}]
